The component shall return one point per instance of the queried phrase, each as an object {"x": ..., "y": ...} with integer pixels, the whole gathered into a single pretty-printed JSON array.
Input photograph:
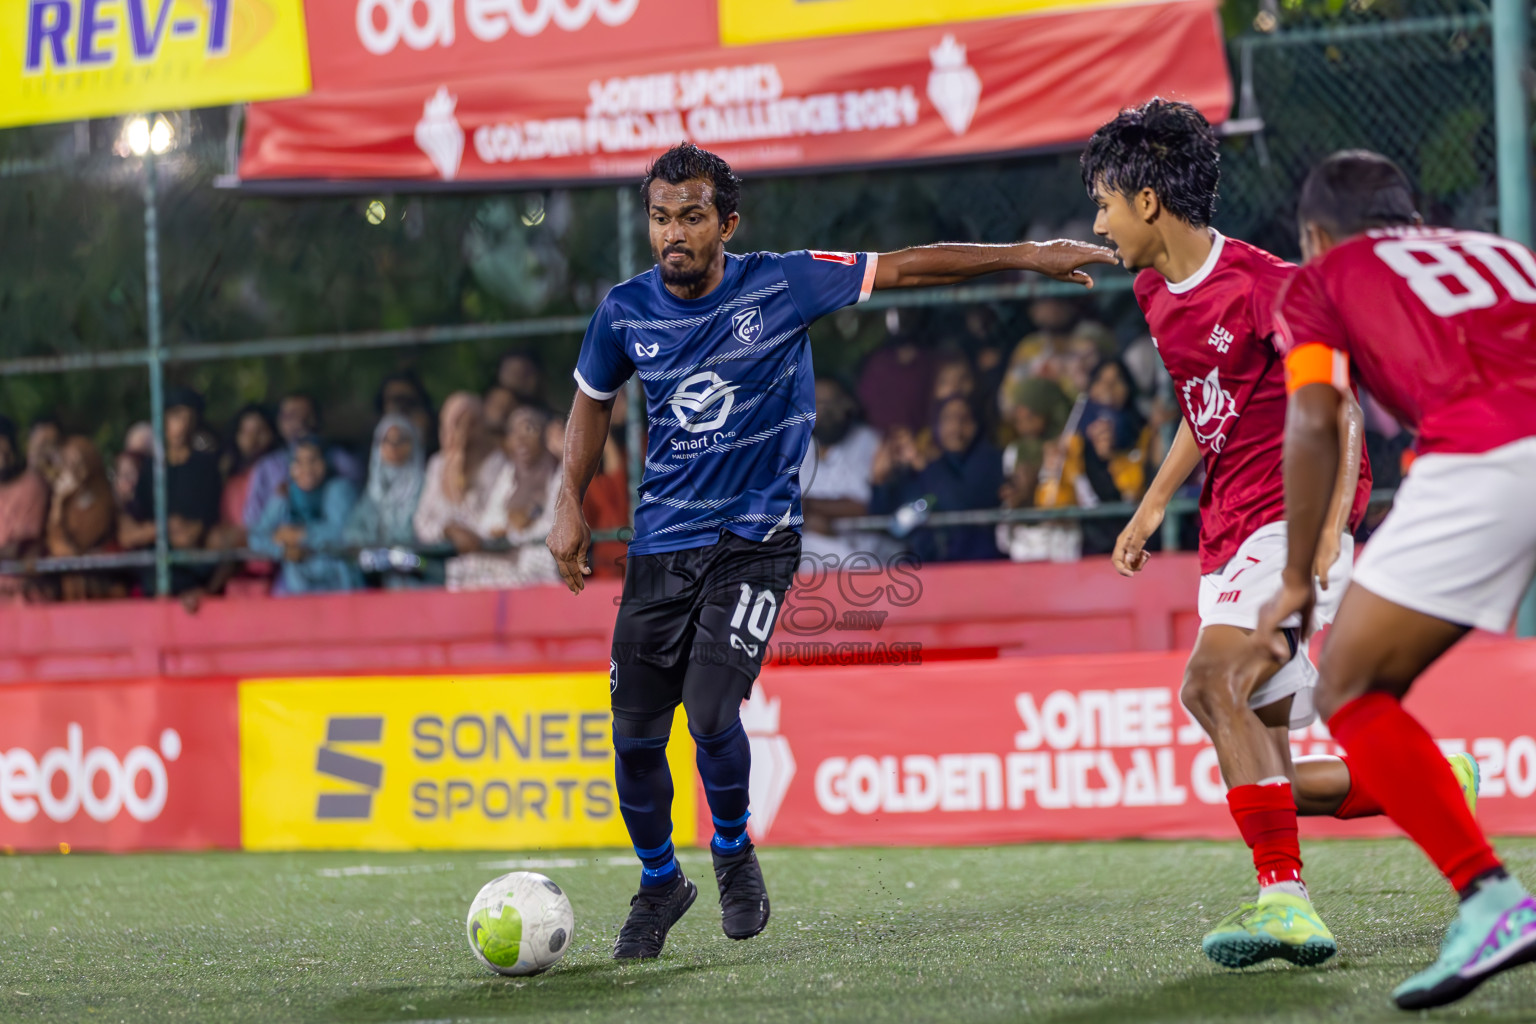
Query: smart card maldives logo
[
  {"x": 338, "y": 764},
  {"x": 703, "y": 401}
]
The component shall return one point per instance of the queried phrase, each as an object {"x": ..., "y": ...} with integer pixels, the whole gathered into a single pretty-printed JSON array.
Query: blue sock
[
  {"x": 644, "y": 783},
  {"x": 725, "y": 764}
]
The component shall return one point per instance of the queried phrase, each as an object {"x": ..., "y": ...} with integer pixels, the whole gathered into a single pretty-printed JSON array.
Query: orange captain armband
[{"x": 1315, "y": 363}]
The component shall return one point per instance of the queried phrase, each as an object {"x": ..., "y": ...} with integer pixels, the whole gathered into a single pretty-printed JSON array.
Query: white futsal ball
[{"x": 520, "y": 923}]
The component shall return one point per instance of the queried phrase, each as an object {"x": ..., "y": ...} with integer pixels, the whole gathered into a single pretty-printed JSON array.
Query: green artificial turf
[{"x": 1051, "y": 932}]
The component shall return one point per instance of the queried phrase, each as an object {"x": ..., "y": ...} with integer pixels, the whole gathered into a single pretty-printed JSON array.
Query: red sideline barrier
[
  {"x": 984, "y": 610},
  {"x": 1094, "y": 747},
  {"x": 119, "y": 766}
]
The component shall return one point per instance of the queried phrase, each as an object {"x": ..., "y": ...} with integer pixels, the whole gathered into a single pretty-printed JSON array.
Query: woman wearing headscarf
[
  {"x": 966, "y": 473},
  {"x": 459, "y": 477},
  {"x": 297, "y": 526},
  {"x": 382, "y": 517},
  {"x": 521, "y": 510},
  {"x": 82, "y": 519},
  {"x": 1106, "y": 457}
]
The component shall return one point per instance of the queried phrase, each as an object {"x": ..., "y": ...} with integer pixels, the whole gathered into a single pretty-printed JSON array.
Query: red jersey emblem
[
  {"x": 847, "y": 259},
  {"x": 1210, "y": 410}
]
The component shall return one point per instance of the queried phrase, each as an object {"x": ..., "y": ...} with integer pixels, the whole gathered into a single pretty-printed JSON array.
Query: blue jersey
[{"x": 729, "y": 390}]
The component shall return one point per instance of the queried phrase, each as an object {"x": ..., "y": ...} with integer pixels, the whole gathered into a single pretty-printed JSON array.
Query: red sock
[
  {"x": 1266, "y": 816},
  {"x": 1392, "y": 756},
  {"x": 1357, "y": 802}
]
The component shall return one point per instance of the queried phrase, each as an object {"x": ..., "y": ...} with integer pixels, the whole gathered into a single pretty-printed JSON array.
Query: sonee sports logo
[{"x": 349, "y": 768}]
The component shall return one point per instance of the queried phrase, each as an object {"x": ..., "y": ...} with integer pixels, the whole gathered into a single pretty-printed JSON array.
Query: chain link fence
[{"x": 328, "y": 294}]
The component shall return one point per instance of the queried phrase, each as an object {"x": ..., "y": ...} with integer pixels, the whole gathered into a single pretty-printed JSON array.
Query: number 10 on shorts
[{"x": 760, "y": 622}]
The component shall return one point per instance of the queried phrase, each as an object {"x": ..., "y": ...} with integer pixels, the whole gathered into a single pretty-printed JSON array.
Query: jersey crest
[
  {"x": 1211, "y": 409},
  {"x": 747, "y": 325}
]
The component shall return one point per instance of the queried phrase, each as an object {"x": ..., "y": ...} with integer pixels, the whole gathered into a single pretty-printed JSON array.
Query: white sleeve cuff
[
  {"x": 871, "y": 261},
  {"x": 592, "y": 392}
]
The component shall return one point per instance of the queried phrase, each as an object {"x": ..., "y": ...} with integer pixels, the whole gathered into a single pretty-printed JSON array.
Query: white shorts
[
  {"x": 1234, "y": 595},
  {"x": 1460, "y": 541}
]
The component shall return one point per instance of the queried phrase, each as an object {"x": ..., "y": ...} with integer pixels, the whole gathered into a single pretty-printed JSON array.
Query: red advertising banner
[
  {"x": 1090, "y": 747},
  {"x": 929, "y": 92},
  {"x": 119, "y": 766},
  {"x": 367, "y": 44}
]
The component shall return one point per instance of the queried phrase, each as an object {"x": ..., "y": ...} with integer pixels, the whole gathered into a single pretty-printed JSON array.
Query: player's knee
[
  {"x": 1338, "y": 683},
  {"x": 1208, "y": 693},
  {"x": 640, "y": 744}
]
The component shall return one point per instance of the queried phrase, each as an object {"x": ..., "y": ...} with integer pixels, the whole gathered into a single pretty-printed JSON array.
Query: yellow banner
[
  {"x": 766, "y": 21},
  {"x": 477, "y": 762},
  {"x": 66, "y": 59}
]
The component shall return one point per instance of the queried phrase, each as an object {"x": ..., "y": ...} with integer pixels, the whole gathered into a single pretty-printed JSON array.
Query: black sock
[
  {"x": 725, "y": 765},
  {"x": 644, "y": 783},
  {"x": 1491, "y": 875}
]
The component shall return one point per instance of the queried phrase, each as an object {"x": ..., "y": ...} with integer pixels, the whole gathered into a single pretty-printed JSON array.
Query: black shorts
[{"x": 701, "y": 616}]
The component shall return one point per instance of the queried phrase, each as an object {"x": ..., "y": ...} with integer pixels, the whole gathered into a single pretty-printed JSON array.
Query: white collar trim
[{"x": 1190, "y": 283}]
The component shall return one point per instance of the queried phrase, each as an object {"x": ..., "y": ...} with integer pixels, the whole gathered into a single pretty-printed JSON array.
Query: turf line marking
[{"x": 355, "y": 870}]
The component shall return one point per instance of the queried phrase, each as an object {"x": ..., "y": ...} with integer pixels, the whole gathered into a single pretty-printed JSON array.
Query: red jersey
[
  {"x": 1214, "y": 331},
  {"x": 1439, "y": 325}
]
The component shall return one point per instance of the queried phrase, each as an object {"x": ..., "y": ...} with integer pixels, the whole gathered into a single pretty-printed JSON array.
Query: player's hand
[
  {"x": 1130, "y": 547},
  {"x": 1328, "y": 547},
  {"x": 1061, "y": 259},
  {"x": 1296, "y": 597},
  {"x": 568, "y": 541}
]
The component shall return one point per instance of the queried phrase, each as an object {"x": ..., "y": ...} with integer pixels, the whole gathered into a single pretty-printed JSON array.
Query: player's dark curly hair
[
  {"x": 1355, "y": 190},
  {"x": 685, "y": 162},
  {"x": 1165, "y": 145}
]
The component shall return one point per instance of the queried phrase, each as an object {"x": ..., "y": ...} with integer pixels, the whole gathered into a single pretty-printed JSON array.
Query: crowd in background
[
  {"x": 1067, "y": 417},
  {"x": 462, "y": 496}
]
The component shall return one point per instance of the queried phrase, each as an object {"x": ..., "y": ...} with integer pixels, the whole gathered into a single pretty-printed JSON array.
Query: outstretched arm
[
  {"x": 569, "y": 539},
  {"x": 952, "y": 262}
]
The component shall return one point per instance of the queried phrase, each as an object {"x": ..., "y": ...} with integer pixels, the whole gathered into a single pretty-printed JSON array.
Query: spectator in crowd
[
  {"x": 298, "y": 417},
  {"x": 193, "y": 490},
  {"x": 459, "y": 477},
  {"x": 954, "y": 378},
  {"x": 382, "y": 517},
  {"x": 897, "y": 380},
  {"x": 606, "y": 506},
  {"x": 834, "y": 480},
  {"x": 1063, "y": 347},
  {"x": 126, "y": 470},
  {"x": 43, "y": 441},
  {"x": 966, "y": 474},
  {"x": 520, "y": 511},
  {"x": 403, "y": 394},
  {"x": 81, "y": 521},
  {"x": 1040, "y": 410},
  {"x": 1105, "y": 460},
  {"x": 305, "y": 519},
  {"x": 255, "y": 437},
  {"x": 1039, "y": 415},
  {"x": 522, "y": 373},
  {"x": 499, "y": 403},
  {"x": 981, "y": 341},
  {"x": 140, "y": 439},
  {"x": 24, "y": 500}
]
